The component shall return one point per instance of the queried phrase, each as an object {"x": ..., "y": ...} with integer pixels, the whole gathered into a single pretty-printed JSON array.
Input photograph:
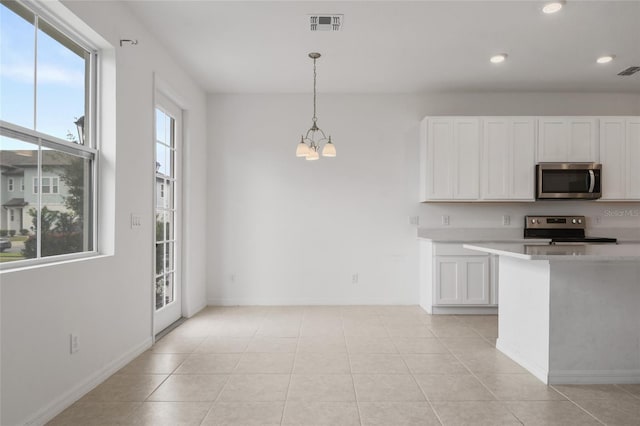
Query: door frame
[{"x": 163, "y": 100}]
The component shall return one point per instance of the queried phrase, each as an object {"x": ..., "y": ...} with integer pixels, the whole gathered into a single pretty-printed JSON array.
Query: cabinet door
[
  {"x": 475, "y": 280},
  {"x": 552, "y": 139},
  {"x": 467, "y": 159},
  {"x": 447, "y": 280},
  {"x": 461, "y": 280},
  {"x": 567, "y": 139},
  {"x": 632, "y": 181},
  {"x": 612, "y": 156},
  {"x": 496, "y": 168},
  {"x": 440, "y": 148},
  {"x": 522, "y": 159},
  {"x": 582, "y": 133},
  {"x": 508, "y": 160}
]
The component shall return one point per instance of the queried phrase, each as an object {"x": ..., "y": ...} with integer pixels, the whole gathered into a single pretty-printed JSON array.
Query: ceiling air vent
[
  {"x": 629, "y": 71},
  {"x": 326, "y": 22}
]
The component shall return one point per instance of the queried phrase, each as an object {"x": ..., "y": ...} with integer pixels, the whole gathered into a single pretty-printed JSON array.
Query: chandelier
[{"x": 309, "y": 146}]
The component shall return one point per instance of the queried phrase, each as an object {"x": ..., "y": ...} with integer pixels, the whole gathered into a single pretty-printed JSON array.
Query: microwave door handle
[{"x": 592, "y": 179}]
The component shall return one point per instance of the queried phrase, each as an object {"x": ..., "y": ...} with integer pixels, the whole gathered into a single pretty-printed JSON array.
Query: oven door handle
[{"x": 592, "y": 179}]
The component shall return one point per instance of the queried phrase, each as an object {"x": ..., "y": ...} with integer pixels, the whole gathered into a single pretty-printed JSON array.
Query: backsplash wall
[{"x": 465, "y": 215}]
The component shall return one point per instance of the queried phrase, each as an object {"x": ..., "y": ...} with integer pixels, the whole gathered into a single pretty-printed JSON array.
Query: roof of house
[
  {"x": 29, "y": 158},
  {"x": 15, "y": 202}
]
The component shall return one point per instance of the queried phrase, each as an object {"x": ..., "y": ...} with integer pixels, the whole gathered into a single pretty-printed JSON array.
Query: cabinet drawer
[{"x": 454, "y": 249}]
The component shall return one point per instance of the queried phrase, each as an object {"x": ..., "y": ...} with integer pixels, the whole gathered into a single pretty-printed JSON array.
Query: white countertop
[
  {"x": 562, "y": 252},
  {"x": 465, "y": 235}
]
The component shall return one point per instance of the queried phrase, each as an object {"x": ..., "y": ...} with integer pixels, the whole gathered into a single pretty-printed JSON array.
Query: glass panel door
[{"x": 166, "y": 271}]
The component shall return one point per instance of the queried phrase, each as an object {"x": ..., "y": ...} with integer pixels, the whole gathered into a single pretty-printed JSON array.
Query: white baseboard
[
  {"x": 427, "y": 307},
  {"x": 304, "y": 302},
  {"x": 597, "y": 377},
  {"x": 471, "y": 310},
  {"x": 537, "y": 371},
  {"x": 67, "y": 398},
  {"x": 191, "y": 312}
]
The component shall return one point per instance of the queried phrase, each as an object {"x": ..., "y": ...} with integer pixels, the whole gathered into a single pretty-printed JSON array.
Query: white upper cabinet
[
  {"x": 567, "y": 139},
  {"x": 466, "y": 133},
  {"x": 620, "y": 158},
  {"x": 494, "y": 158},
  {"x": 450, "y": 159},
  {"x": 508, "y": 160}
]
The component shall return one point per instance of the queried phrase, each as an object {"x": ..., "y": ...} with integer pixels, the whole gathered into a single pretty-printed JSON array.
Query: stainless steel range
[{"x": 561, "y": 229}]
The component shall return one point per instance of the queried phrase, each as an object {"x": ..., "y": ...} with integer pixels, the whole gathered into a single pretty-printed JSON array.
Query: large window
[{"x": 46, "y": 120}]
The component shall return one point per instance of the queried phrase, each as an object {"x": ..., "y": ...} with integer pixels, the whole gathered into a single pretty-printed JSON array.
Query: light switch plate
[{"x": 136, "y": 221}]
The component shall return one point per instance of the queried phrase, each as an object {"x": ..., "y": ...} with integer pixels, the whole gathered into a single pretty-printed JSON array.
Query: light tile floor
[{"x": 356, "y": 365}]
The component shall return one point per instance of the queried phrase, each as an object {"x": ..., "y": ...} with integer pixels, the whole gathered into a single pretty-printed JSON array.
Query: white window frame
[
  {"x": 87, "y": 150},
  {"x": 46, "y": 179},
  {"x": 10, "y": 184},
  {"x": 21, "y": 184},
  {"x": 11, "y": 215}
]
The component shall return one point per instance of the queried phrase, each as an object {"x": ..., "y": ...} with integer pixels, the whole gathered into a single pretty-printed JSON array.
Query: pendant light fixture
[{"x": 309, "y": 146}]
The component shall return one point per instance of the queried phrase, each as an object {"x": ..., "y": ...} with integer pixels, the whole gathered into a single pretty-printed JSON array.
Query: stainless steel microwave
[{"x": 568, "y": 181}]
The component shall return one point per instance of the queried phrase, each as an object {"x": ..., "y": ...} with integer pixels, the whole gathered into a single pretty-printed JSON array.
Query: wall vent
[
  {"x": 325, "y": 22},
  {"x": 629, "y": 71}
]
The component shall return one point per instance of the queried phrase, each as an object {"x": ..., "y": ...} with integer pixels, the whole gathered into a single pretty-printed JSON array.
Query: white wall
[
  {"x": 107, "y": 301},
  {"x": 283, "y": 230}
]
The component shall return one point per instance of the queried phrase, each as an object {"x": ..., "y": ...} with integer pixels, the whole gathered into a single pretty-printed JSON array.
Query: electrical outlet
[
  {"x": 354, "y": 279},
  {"x": 75, "y": 343},
  {"x": 598, "y": 220},
  {"x": 506, "y": 220},
  {"x": 414, "y": 220},
  {"x": 445, "y": 220},
  {"x": 232, "y": 277}
]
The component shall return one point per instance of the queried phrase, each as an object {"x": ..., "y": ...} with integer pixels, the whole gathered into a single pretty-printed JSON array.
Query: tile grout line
[
  {"x": 577, "y": 405},
  {"x": 224, "y": 386},
  {"x": 353, "y": 382},
  {"x": 502, "y": 403},
  {"x": 435, "y": 413},
  {"x": 293, "y": 366}
]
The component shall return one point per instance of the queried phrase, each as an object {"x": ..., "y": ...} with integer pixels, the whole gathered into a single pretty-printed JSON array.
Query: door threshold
[{"x": 169, "y": 328}]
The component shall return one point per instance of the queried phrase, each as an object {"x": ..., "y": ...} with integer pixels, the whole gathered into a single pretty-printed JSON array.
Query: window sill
[{"x": 23, "y": 265}]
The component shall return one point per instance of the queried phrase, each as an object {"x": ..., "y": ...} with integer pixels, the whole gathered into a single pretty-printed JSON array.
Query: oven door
[{"x": 568, "y": 181}]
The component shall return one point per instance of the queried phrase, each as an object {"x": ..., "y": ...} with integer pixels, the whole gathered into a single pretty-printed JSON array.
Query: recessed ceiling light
[
  {"x": 497, "y": 59},
  {"x": 552, "y": 7},
  {"x": 605, "y": 59}
]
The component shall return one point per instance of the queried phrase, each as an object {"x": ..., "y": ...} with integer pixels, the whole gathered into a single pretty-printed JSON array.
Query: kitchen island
[{"x": 570, "y": 313}]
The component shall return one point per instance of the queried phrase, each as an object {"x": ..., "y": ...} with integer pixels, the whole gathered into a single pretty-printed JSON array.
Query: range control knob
[
  {"x": 574, "y": 221},
  {"x": 579, "y": 220},
  {"x": 533, "y": 221}
]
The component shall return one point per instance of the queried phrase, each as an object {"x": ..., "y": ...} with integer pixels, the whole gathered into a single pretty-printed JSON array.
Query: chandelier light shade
[{"x": 310, "y": 143}]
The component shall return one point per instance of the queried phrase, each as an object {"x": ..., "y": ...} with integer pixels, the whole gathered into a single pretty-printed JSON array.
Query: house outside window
[{"x": 49, "y": 141}]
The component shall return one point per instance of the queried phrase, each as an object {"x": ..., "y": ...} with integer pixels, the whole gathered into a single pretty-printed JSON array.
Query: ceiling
[{"x": 399, "y": 47}]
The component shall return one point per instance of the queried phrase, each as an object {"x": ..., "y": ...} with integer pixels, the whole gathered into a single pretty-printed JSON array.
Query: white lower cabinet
[
  {"x": 462, "y": 280},
  {"x": 456, "y": 280}
]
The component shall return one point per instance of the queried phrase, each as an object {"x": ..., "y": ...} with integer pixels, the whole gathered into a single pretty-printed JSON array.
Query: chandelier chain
[{"x": 314, "y": 90}]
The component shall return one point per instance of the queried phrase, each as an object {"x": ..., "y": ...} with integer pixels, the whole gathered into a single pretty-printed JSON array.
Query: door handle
[{"x": 592, "y": 178}]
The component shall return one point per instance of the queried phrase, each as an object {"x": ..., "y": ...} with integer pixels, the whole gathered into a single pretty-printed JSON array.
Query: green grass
[
  {"x": 19, "y": 238},
  {"x": 10, "y": 257}
]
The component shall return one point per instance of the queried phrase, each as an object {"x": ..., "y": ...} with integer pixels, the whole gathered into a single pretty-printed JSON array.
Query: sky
[{"x": 60, "y": 82}]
